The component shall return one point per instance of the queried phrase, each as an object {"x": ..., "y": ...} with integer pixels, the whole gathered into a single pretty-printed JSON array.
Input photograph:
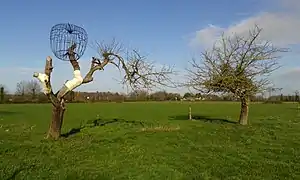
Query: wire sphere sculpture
[{"x": 64, "y": 36}]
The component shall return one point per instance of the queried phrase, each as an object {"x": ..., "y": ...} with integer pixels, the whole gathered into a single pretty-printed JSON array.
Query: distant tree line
[{"x": 31, "y": 92}]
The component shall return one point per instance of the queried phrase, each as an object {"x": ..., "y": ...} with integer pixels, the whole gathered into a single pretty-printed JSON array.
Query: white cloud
[
  {"x": 281, "y": 27},
  {"x": 207, "y": 36}
]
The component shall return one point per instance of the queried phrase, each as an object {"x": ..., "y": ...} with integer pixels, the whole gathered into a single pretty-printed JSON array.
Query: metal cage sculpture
[{"x": 63, "y": 36}]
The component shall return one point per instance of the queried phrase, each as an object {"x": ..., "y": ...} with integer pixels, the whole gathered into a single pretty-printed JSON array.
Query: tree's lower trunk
[
  {"x": 56, "y": 121},
  {"x": 244, "y": 111}
]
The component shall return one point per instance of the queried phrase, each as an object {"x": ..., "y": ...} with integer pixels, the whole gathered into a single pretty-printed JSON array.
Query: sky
[{"x": 169, "y": 32}]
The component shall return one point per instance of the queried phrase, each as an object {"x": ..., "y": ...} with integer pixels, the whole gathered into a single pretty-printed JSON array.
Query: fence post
[{"x": 190, "y": 113}]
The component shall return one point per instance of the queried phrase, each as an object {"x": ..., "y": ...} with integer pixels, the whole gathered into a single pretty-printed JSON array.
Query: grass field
[{"x": 151, "y": 141}]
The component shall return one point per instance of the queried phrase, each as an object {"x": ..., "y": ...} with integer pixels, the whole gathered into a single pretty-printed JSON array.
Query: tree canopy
[{"x": 236, "y": 64}]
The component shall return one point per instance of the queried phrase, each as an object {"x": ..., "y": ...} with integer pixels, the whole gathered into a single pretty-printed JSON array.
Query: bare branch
[
  {"x": 145, "y": 75},
  {"x": 108, "y": 52},
  {"x": 95, "y": 65},
  {"x": 72, "y": 58},
  {"x": 138, "y": 73},
  {"x": 107, "y": 49}
]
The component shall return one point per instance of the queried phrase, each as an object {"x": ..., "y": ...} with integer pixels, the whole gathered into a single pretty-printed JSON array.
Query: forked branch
[{"x": 45, "y": 79}]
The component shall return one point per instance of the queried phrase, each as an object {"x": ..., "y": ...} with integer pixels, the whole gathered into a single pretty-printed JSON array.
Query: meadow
[{"x": 151, "y": 141}]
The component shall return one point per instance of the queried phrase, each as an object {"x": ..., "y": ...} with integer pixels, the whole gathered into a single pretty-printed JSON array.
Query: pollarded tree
[
  {"x": 238, "y": 65},
  {"x": 138, "y": 73}
]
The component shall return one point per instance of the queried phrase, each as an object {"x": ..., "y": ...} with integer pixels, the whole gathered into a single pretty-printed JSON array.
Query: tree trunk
[
  {"x": 56, "y": 122},
  {"x": 244, "y": 111}
]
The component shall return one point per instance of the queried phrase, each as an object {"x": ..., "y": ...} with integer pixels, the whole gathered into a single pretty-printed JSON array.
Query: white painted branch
[
  {"x": 43, "y": 78},
  {"x": 70, "y": 84},
  {"x": 75, "y": 82}
]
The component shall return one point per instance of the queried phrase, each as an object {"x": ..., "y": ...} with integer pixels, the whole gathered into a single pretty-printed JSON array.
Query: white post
[{"x": 190, "y": 113}]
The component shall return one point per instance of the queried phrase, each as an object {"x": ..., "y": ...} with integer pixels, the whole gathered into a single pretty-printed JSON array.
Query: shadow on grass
[
  {"x": 96, "y": 123},
  {"x": 5, "y": 113},
  {"x": 202, "y": 118}
]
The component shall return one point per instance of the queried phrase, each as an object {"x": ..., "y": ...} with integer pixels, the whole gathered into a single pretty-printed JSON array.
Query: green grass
[{"x": 151, "y": 141}]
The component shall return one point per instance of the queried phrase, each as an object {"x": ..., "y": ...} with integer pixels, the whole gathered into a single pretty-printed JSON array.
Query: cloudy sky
[{"x": 168, "y": 32}]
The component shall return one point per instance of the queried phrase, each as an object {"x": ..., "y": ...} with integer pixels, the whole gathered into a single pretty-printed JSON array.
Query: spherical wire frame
[{"x": 63, "y": 36}]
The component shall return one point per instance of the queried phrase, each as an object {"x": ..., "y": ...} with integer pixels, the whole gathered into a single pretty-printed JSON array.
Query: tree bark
[
  {"x": 57, "y": 100},
  {"x": 56, "y": 121},
  {"x": 244, "y": 111}
]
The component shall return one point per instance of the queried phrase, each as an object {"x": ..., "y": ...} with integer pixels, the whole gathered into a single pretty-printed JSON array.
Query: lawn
[{"x": 151, "y": 141}]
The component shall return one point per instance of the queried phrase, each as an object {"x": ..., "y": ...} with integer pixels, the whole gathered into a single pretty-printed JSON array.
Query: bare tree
[
  {"x": 138, "y": 95},
  {"x": 21, "y": 88},
  {"x": 270, "y": 90},
  {"x": 296, "y": 96},
  {"x": 137, "y": 73},
  {"x": 33, "y": 88},
  {"x": 28, "y": 88},
  {"x": 159, "y": 96},
  {"x": 238, "y": 65}
]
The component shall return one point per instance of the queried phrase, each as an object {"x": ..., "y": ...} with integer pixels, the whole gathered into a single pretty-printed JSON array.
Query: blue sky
[{"x": 162, "y": 30}]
